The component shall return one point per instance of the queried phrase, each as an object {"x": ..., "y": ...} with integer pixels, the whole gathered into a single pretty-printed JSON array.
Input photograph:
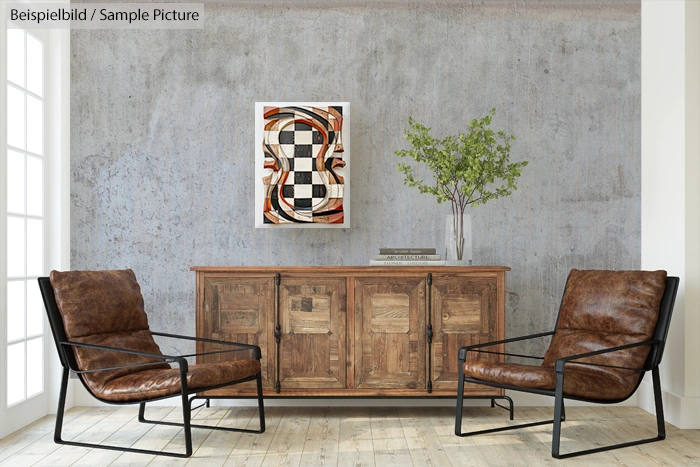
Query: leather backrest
[
  {"x": 603, "y": 309},
  {"x": 104, "y": 308},
  {"x": 99, "y": 302}
]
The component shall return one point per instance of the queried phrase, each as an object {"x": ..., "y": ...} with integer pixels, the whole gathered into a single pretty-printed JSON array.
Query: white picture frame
[{"x": 261, "y": 173}]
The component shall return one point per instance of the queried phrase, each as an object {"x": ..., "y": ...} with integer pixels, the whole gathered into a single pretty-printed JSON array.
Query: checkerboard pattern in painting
[
  {"x": 304, "y": 185},
  {"x": 302, "y": 145}
]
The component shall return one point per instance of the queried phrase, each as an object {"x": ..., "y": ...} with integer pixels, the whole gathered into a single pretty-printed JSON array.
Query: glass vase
[{"x": 458, "y": 240}]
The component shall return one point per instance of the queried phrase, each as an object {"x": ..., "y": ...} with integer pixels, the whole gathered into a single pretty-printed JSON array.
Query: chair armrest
[
  {"x": 181, "y": 361},
  {"x": 507, "y": 354},
  {"x": 463, "y": 351},
  {"x": 256, "y": 348},
  {"x": 559, "y": 364}
]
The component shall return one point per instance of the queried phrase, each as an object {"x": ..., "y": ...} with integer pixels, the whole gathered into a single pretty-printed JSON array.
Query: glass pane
[
  {"x": 35, "y": 309},
  {"x": 35, "y": 186},
  {"x": 35, "y": 65},
  {"x": 15, "y": 181},
  {"x": 15, "y": 373},
  {"x": 15, "y": 310},
  {"x": 15, "y": 117},
  {"x": 35, "y": 247},
  {"x": 35, "y": 125},
  {"x": 15, "y": 247},
  {"x": 15, "y": 56},
  {"x": 35, "y": 366}
]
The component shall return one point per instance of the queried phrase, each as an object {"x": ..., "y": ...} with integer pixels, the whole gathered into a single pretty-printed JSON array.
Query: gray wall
[{"x": 162, "y": 139}]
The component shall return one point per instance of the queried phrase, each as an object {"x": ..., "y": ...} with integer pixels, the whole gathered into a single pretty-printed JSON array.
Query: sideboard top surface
[{"x": 350, "y": 270}]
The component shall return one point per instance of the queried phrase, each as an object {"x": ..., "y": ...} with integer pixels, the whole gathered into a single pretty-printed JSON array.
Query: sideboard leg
[{"x": 510, "y": 407}]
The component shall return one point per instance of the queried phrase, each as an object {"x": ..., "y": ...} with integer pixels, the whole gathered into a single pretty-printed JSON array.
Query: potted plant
[{"x": 468, "y": 169}]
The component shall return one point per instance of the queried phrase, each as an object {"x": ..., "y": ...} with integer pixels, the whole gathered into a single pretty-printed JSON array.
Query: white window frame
[{"x": 56, "y": 160}]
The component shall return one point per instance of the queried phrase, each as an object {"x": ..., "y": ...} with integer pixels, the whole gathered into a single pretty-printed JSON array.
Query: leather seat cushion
[
  {"x": 93, "y": 359},
  {"x": 583, "y": 381},
  {"x": 567, "y": 342},
  {"x": 148, "y": 384}
]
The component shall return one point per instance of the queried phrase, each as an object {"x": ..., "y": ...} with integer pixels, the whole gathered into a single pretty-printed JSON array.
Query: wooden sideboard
[{"x": 351, "y": 330}]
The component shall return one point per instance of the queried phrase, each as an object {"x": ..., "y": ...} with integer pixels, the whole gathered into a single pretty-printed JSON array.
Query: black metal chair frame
[
  {"x": 69, "y": 364},
  {"x": 657, "y": 344}
]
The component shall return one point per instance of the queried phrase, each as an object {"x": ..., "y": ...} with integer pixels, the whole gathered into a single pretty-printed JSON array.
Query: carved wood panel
[
  {"x": 390, "y": 332},
  {"x": 313, "y": 334},
  {"x": 463, "y": 312},
  {"x": 238, "y": 309}
]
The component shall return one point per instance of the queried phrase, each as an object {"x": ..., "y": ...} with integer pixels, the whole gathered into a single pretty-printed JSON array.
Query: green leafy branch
[{"x": 471, "y": 168}]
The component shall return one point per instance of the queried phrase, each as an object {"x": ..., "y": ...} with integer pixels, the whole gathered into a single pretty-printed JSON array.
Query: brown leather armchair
[
  {"x": 101, "y": 332},
  {"x": 611, "y": 329}
]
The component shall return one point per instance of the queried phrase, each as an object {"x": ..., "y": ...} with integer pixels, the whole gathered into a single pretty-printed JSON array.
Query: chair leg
[
  {"x": 510, "y": 404},
  {"x": 59, "y": 427},
  {"x": 658, "y": 402},
  {"x": 186, "y": 418},
  {"x": 563, "y": 411},
  {"x": 61, "y": 407},
  {"x": 558, "y": 414},
  {"x": 458, "y": 414},
  {"x": 206, "y": 403},
  {"x": 460, "y": 408},
  {"x": 261, "y": 405},
  {"x": 142, "y": 413},
  {"x": 206, "y": 427},
  {"x": 460, "y": 400}
]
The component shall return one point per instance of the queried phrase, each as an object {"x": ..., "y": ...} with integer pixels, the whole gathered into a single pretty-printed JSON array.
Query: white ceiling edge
[{"x": 368, "y": 3}]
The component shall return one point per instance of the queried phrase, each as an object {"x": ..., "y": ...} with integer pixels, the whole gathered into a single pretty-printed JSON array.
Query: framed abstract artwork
[{"x": 302, "y": 165}]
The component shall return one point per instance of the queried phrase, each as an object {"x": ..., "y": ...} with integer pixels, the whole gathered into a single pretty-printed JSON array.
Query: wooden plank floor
[{"x": 350, "y": 436}]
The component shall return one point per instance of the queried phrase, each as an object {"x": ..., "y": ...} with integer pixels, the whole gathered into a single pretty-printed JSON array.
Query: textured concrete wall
[{"x": 162, "y": 139}]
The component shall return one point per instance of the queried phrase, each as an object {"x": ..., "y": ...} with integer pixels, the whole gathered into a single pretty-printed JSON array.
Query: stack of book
[{"x": 407, "y": 257}]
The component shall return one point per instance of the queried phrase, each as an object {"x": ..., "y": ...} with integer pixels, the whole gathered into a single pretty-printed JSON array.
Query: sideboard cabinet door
[
  {"x": 390, "y": 333},
  {"x": 312, "y": 321},
  {"x": 464, "y": 311},
  {"x": 237, "y": 309}
]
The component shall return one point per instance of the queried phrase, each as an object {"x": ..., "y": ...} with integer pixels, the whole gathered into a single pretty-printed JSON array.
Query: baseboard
[
  {"x": 520, "y": 399},
  {"x": 681, "y": 412},
  {"x": 524, "y": 399}
]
